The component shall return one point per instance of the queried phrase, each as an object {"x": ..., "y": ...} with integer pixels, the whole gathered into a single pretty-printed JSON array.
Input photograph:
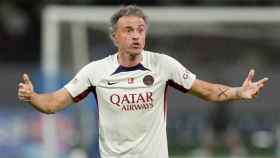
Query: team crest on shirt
[
  {"x": 130, "y": 80},
  {"x": 148, "y": 80}
]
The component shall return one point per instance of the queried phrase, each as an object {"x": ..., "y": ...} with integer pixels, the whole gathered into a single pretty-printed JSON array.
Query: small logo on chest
[{"x": 130, "y": 80}]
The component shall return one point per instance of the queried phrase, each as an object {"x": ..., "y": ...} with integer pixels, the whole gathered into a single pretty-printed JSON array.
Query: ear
[{"x": 114, "y": 37}]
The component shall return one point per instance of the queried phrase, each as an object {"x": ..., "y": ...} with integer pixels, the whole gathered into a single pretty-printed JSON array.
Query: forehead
[{"x": 126, "y": 21}]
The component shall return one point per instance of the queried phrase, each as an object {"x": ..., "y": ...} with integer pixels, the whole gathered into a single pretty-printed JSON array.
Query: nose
[{"x": 135, "y": 35}]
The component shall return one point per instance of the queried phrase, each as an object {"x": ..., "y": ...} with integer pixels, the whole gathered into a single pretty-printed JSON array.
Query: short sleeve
[
  {"x": 177, "y": 75},
  {"x": 80, "y": 85}
]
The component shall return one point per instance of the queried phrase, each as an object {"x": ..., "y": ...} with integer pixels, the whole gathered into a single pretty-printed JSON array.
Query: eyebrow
[
  {"x": 128, "y": 27},
  {"x": 132, "y": 26}
]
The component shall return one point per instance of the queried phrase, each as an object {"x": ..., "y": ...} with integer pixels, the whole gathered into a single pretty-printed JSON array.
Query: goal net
[{"x": 218, "y": 44}]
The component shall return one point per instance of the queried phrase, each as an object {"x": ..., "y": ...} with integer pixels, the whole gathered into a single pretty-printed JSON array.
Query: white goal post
[{"x": 181, "y": 16}]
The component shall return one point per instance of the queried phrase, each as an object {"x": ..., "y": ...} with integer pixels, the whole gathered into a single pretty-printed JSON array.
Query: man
[{"x": 130, "y": 88}]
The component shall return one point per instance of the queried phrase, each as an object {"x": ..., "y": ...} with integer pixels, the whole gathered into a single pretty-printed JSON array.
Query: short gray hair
[{"x": 129, "y": 10}]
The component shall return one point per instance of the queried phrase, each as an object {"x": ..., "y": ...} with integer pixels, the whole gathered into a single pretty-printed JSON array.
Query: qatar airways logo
[{"x": 133, "y": 101}]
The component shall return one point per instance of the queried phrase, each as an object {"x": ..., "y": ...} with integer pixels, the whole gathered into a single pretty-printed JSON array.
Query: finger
[
  {"x": 251, "y": 75},
  {"x": 26, "y": 79},
  {"x": 23, "y": 92},
  {"x": 262, "y": 81},
  {"x": 24, "y": 96},
  {"x": 23, "y": 99},
  {"x": 20, "y": 92},
  {"x": 20, "y": 98},
  {"x": 20, "y": 85}
]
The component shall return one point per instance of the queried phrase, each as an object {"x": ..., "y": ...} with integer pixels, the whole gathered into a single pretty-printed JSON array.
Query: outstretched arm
[
  {"x": 217, "y": 92},
  {"x": 48, "y": 102}
]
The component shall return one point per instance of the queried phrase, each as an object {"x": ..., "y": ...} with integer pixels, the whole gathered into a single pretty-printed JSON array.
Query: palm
[{"x": 249, "y": 88}]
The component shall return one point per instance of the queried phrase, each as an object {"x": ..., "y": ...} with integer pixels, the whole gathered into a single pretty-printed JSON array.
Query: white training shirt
[{"x": 131, "y": 102}]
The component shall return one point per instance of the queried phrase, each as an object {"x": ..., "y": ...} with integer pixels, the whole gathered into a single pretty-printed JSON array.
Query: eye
[
  {"x": 141, "y": 30},
  {"x": 128, "y": 30}
]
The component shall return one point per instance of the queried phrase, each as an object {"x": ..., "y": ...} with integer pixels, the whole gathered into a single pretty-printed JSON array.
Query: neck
[{"x": 129, "y": 60}]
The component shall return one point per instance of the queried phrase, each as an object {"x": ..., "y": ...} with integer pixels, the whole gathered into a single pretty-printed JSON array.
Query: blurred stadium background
[{"x": 218, "y": 52}]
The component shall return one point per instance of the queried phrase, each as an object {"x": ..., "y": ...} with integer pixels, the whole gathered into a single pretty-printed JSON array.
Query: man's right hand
[{"x": 25, "y": 89}]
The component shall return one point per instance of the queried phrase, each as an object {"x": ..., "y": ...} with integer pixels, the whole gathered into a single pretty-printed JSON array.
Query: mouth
[{"x": 136, "y": 45}]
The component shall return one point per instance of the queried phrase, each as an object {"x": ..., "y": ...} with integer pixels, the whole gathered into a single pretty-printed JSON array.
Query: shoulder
[
  {"x": 152, "y": 54},
  {"x": 97, "y": 68},
  {"x": 102, "y": 63},
  {"x": 160, "y": 59},
  {"x": 157, "y": 57}
]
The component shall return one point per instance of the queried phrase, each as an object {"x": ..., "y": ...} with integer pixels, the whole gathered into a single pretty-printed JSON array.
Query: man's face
[{"x": 130, "y": 34}]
